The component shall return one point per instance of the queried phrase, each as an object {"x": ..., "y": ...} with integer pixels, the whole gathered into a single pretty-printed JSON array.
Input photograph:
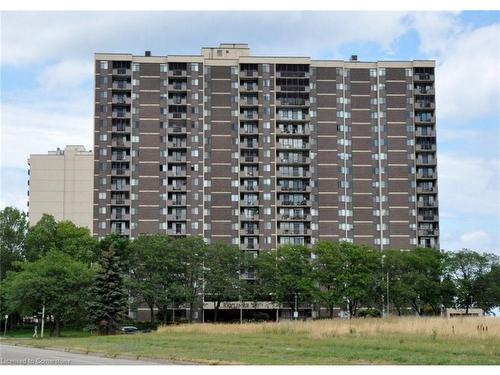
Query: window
[
  {"x": 194, "y": 82},
  {"x": 102, "y": 210},
  {"x": 267, "y": 83},
  {"x": 194, "y": 67},
  {"x": 373, "y": 72},
  {"x": 104, "y": 80},
  {"x": 136, "y": 67},
  {"x": 104, "y": 65},
  {"x": 103, "y": 137},
  {"x": 267, "y": 211},
  {"x": 102, "y": 195},
  {"x": 102, "y": 225},
  {"x": 381, "y": 72},
  {"x": 266, "y": 68},
  {"x": 234, "y": 70}
]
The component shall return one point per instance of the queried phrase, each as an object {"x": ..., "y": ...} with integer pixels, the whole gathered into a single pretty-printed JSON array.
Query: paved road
[{"x": 19, "y": 355}]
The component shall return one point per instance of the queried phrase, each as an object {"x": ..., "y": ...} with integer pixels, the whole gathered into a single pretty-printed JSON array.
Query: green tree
[
  {"x": 221, "y": 274},
  {"x": 488, "y": 289},
  {"x": 47, "y": 234},
  {"x": 13, "y": 229},
  {"x": 151, "y": 272},
  {"x": 188, "y": 255},
  {"x": 396, "y": 268},
  {"x": 108, "y": 300},
  {"x": 294, "y": 276},
  {"x": 467, "y": 268},
  {"x": 358, "y": 276},
  {"x": 55, "y": 280},
  {"x": 41, "y": 238},
  {"x": 328, "y": 263}
]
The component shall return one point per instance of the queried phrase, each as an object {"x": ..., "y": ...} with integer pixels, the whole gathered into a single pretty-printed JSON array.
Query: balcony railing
[
  {"x": 122, "y": 72},
  {"x": 120, "y": 187},
  {"x": 294, "y": 203},
  {"x": 292, "y": 74},
  {"x": 302, "y": 160},
  {"x": 423, "y": 77},
  {"x": 293, "y": 146},
  {"x": 249, "y": 202},
  {"x": 120, "y": 85}
]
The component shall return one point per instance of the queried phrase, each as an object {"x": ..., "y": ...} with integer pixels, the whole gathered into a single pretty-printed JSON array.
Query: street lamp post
[{"x": 296, "y": 312}]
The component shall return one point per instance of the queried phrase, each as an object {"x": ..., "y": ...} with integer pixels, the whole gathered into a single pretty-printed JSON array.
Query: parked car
[{"x": 129, "y": 329}]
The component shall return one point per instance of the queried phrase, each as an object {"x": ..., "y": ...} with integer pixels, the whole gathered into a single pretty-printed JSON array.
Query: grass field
[{"x": 358, "y": 341}]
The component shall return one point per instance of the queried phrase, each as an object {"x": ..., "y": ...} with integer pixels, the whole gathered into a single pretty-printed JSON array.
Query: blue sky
[{"x": 47, "y": 72}]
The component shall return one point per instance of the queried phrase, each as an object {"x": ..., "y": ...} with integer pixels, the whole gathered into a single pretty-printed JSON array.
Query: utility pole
[
  {"x": 43, "y": 318},
  {"x": 387, "y": 282},
  {"x": 5, "y": 325},
  {"x": 296, "y": 312}
]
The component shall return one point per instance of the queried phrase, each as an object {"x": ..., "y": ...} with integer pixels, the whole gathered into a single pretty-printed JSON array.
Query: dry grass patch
[{"x": 470, "y": 327}]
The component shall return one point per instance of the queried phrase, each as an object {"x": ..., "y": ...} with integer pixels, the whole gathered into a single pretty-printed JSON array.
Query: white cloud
[
  {"x": 468, "y": 185},
  {"x": 26, "y": 37},
  {"x": 468, "y": 77},
  {"x": 36, "y": 128},
  {"x": 66, "y": 74}
]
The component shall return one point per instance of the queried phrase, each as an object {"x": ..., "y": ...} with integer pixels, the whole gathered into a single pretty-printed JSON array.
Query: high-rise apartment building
[
  {"x": 265, "y": 151},
  {"x": 60, "y": 184}
]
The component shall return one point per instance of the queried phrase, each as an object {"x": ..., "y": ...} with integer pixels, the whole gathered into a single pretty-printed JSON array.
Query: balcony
[
  {"x": 249, "y": 173},
  {"x": 177, "y": 129},
  {"x": 249, "y": 159},
  {"x": 427, "y": 175},
  {"x": 293, "y": 146},
  {"x": 120, "y": 85},
  {"x": 119, "y": 216},
  {"x": 181, "y": 173},
  {"x": 177, "y": 73},
  {"x": 177, "y": 116},
  {"x": 428, "y": 218},
  {"x": 121, "y": 100},
  {"x": 120, "y": 157},
  {"x": 250, "y": 203},
  {"x": 303, "y": 203},
  {"x": 429, "y": 162},
  {"x": 120, "y": 129},
  {"x": 176, "y": 158},
  {"x": 122, "y": 72},
  {"x": 176, "y": 188},
  {"x": 298, "y": 189},
  {"x": 249, "y": 232},
  {"x": 286, "y": 217},
  {"x": 120, "y": 114},
  {"x": 429, "y": 204},
  {"x": 249, "y": 88},
  {"x": 302, "y": 160},
  {"x": 304, "y": 117},
  {"x": 292, "y": 102},
  {"x": 249, "y": 74},
  {"x": 425, "y": 147},
  {"x": 423, "y": 77},
  {"x": 421, "y": 120},
  {"x": 176, "y": 144},
  {"x": 177, "y": 87},
  {"x": 122, "y": 232},
  {"x": 293, "y": 88},
  {"x": 249, "y": 217},
  {"x": 177, "y": 101},
  {"x": 249, "y": 130},
  {"x": 120, "y": 187},
  {"x": 426, "y": 190},
  {"x": 249, "y": 101},
  {"x": 298, "y": 131},
  {"x": 303, "y": 174},
  {"x": 250, "y": 188},
  {"x": 121, "y": 143},
  {"x": 424, "y": 90},
  {"x": 249, "y": 116},
  {"x": 424, "y": 105},
  {"x": 294, "y": 232},
  {"x": 247, "y": 144},
  {"x": 428, "y": 232},
  {"x": 176, "y": 202},
  {"x": 250, "y": 246},
  {"x": 120, "y": 172},
  {"x": 120, "y": 202},
  {"x": 292, "y": 74},
  {"x": 176, "y": 217},
  {"x": 425, "y": 133},
  {"x": 176, "y": 232}
]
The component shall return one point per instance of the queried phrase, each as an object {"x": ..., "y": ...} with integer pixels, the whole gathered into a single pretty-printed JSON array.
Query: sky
[{"x": 47, "y": 84}]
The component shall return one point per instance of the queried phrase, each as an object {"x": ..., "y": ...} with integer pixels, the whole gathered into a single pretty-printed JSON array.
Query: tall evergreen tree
[{"x": 108, "y": 305}]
